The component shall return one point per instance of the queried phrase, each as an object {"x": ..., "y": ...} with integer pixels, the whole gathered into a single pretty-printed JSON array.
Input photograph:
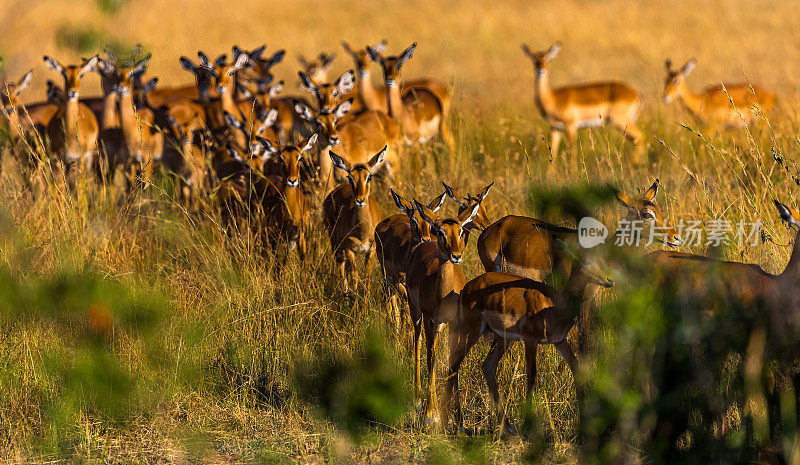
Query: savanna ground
[{"x": 214, "y": 355}]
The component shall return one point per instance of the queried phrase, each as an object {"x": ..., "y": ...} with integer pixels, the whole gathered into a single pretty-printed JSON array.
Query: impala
[
  {"x": 570, "y": 108},
  {"x": 434, "y": 280},
  {"x": 350, "y": 216},
  {"x": 195, "y": 166},
  {"x": 258, "y": 76},
  {"x": 373, "y": 98},
  {"x": 733, "y": 105},
  {"x": 395, "y": 238},
  {"x": 515, "y": 308},
  {"x": 420, "y": 112},
  {"x": 355, "y": 138},
  {"x": 73, "y": 130},
  {"x": 21, "y": 121},
  {"x": 225, "y": 84}
]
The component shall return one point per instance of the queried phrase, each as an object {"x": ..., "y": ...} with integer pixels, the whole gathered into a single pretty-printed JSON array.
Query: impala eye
[{"x": 648, "y": 215}]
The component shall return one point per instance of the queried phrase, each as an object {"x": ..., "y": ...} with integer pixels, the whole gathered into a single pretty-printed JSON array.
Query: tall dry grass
[{"x": 214, "y": 367}]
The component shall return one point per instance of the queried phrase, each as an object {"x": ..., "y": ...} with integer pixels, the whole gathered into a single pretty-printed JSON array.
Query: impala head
[
  {"x": 328, "y": 95},
  {"x": 225, "y": 74},
  {"x": 203, "y": 74},
  {"x": 419, "y": 227},
  {"x": 361, "y": 57},
  {"x": 10, "y": 91},
  {"x": 584, "y": 270},
  {"x": 72, "y": 74},
  {"x": 185, "y": 130},
  {"x": 291, "y": 156},
  {"x": 645, "y": 210},
  {"x": 541, "y": 59},
  {"x": 317, "y": 68},
  {"x": 360, "y": 175},
  {"x": 259, "y": 71},
  {"x": 266, "y": 120},
  {"x": 326, "y": 121},
  {"x": 130, "y": 75},
  {"x": 451, "y": 233},
  {"x": 54, "y": 93},
  {"x": 788, "y": 214},
  {"x": 466, "y": 201},
  {"x": 675, "y": 79},
  {"x": 391, "y": 64}
]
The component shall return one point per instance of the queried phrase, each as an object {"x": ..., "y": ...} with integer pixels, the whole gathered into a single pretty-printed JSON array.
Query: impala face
[
  {"x": 326, "y": 121},
  {"x": 317, "y": 69},
  {"x": 225, "y": 75},
  {"x": 10, "y": 91},
  {"x": 72, "y": 74},
  {"x": 292, "y": 156},
  {"x": 259, "y": 70},
  {"x": 391, "y": 65},
  {"x": 419, "y": 227},
  {"x": 645, "y": 210},
  {"x": 788, "y": 214},
  {"x": 203, "y": 74},
  {"x": 362, "y": 58},
  {"x": 451, "y": 233},
  {"x": 541, "y": 59},
  {"x": 129, "y": 76},
  {"x": 675, "y": 79},
  {"x": 359, "y": 176}
]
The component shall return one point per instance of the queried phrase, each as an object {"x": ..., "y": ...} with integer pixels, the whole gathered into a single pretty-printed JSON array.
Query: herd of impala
[{"x": 264, "y": 153}]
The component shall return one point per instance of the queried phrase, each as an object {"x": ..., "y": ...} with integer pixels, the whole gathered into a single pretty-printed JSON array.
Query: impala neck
[
  {"x": 366, "y": 91},
  {"x": 792, "y": 269},
  {"x": 109, "y": 118},
  {"x": 693, "y": 102},
  {"x": 543, "y": 94},
  {"x": 395, "y": 107},
  {"x": 71, "y": 120},
  {"x": 127, "y": 117},
  {"x": 12, "y": 120}
]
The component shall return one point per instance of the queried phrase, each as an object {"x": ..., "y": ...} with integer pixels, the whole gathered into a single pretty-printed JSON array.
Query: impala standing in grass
[{"x": 570, "y": 108}]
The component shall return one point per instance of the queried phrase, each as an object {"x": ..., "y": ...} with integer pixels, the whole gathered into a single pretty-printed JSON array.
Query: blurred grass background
[{"x": 138, "y": 332}]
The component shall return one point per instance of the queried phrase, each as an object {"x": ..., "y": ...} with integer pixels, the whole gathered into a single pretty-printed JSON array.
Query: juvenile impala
[
  {"x": 434, "y": 280},
  {"x": 713, "y": 105},
  {"x": 570, "y": 108},
  {"x": 515, "y": 308},
  {"x": 328, "y": 95},
  {"x": 373, "y": 98},
  {"x": 395, "y": 238},
  {"x": 350, "y": 216},
  {"x": 21, "y": 121},
  {"x": 73, "y": 130},
  {"x": 420, "y": 112}
]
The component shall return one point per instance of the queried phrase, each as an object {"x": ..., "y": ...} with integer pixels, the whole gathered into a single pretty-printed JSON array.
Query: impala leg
[
  {"x": 369, "y": 261},
  {"x": 530, "y": 367},
  {"x": 460, "y": 341},
  {"x": 499, "y": 347},
  {"x": 555, "y": 141},
  {"x": 416, "y": 321},
  {"x": 572, "y": 141},
  {"x": 342, "y": 259},
  {"x": 301, "y": 245},
  {"x": 633, "y": 134},
  {"x": 569, "y": 357},
  {"x": 447, "y": 136},
  {"x": 431, "y": 407},
  {"x": 395, "y": 307}
]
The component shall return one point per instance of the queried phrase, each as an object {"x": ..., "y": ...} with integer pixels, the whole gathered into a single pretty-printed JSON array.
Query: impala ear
[
  {"x": 467, "y": 215},
  {"x": 266, "y": 145},
  {"x": 407, "y": 54},
  {"x": 256, "y": 54},
  {"x": 276, "y": 58},
  {"x": 309, "y": 143},
  {"x": 304, "y": 112},
  {"x": 651, "y": 193},
  {"x": 380, "y": 47},
  {"x": 232, "y": 120},
  {"x": 307, "y": 82},
  {"x": 346, "y": 82},
  {"x": 788, "y": 214},
  {"x": 427, "y": 215},
  {"x": 347, "y": 48},
  {"x": 53, "y": 64},
  {"x": 553, "y": 51},
  {"x": 456, "y": 196},
  {"x": 172, "y": 121},
  {"x": 343, "y": 108},
  {"x": 376, "y": 161},
  {"x": 90, "y": 63},
  {"x": 275, "y": 89},
  {"x": 150, "y": 85},
  {"x": 527, "y": 50},
  {"x": 269, "y": 120},
  {"x": 110, "y": 55},
  {"x": 623, "y": 199},
  {"x": 204, "y": 61},
  {"x": 688, "y": 66},
  {"x": 141, "y": 65},
  {"x": 437, "y": 202},
  {"x": 24, "y": 82},
  {"x": 485, "y": 192},
  {"x": 668, "y": 65},
  {"x": 404, "y": 205},
  {"x": 374, "y": 55},
  {"x": 326, "y": 59},
  {"x": 241, "y": 62},
  {"x": 339, "y": 162},
  {"x": 220, "y": 60},
  {"x": 187, "y": 64},
  {"x": 302, "y": 60}
]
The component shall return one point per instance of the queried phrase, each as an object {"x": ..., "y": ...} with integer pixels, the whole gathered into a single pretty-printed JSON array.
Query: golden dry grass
[{"x": 258, "y": 323}]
